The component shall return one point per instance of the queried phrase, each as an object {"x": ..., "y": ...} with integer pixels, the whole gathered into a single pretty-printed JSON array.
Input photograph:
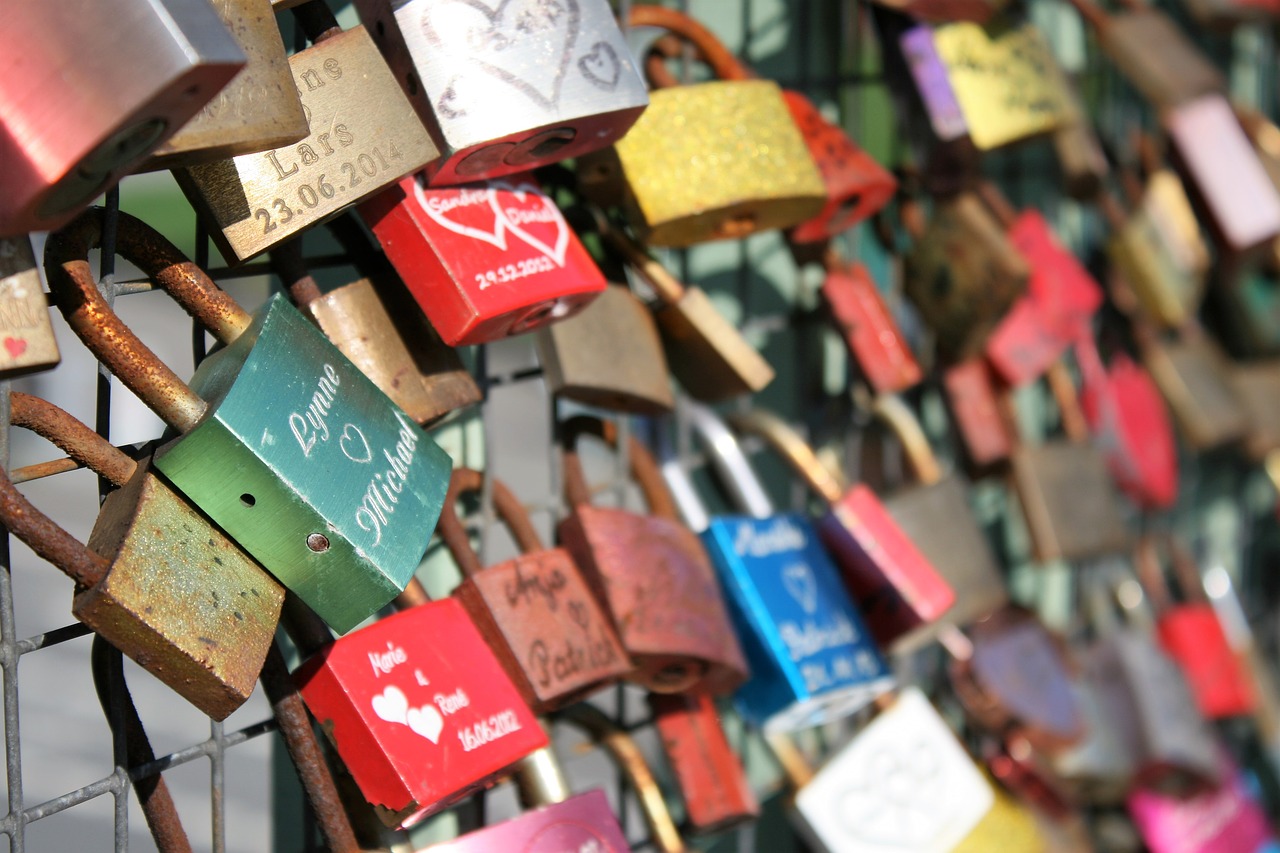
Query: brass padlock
[
  {"x": 364, "y": 137},
  {"x": 259, "y": 109},
  {"x": 1192, "y": 374},
  {"x": 29, "y": 344},
  {"x": 1139, "y": 248},
  {"x": 710, "y": 161},
  {"x": 1257, "y": 387},
  {"x": 709, "y": 356},
  {"x": 1164, "y": 199},
  {"x": 382, "y": 331},
  {"x": 608, "y": 355},
  {"x": 157, "y": 579}
]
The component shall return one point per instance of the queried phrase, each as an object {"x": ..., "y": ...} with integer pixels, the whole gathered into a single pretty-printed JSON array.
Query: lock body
[
  {"x": 654, "y": 578},
  {"x": 1070, "y": 504},
  {"x": 180, "y": 599},
  {"x": 929, "y": 73},
  {"x": 895, "y": 585},
  {"x": 739, "y": 165},
  {"x": 385, "y": 335},
  {"x": 581, "y": 823},
  {"x": 511, "y": 89},
  {"x": 709, "y": 357},
  {"x": 28, "y": 341},
  {"x": 812, "y": 658},
  {"x": 363, "y": 138},
  {"x": 77, "y": 117},
  {"x": 550, "y": 633},
  {"x": 903, "y": 783},
  {"x": 1225, "y": 818},
  {"x": 971, "y": 397},
  {"x": 869, "y": 330},
  {"x": 1194, "y": 379},
  {"x": 1166, "y": 289},
  {"x": 1192, "y": 635},
  {"x": 310, "y": 467},
  {"x": 258, "y": 110},
  {"x": 484, "y": 261},
  {"x": 1101, "y": 767},
  {"x": 420, "y": 711},
  {"x": 1256, "y": 384},
  {"x": 1158, "y": 59},
  {"x": 609, "y": 355}
]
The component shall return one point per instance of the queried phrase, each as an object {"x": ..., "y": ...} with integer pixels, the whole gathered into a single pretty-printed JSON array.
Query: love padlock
[
  {"x": 484, "y": 261},
  {"x": 29, "y": 342},
  {"x": 285, "y": 444},
  {"x": 868, "y": 329}
]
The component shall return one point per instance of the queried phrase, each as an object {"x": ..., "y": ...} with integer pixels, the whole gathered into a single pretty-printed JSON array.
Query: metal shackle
[
  {"x": 505, "y": 503},
  {"x": 643, "y": 467}
]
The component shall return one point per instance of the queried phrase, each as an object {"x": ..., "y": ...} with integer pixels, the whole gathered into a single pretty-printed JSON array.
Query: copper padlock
[
  {"x": 652, "y": 574},
  {"x": 536, "y": 611},
  {"x": 708, "y": 356},
  {"x": 608, "y": 355},
  {"x": 869, "y": 331},
  {"x": 29, "y": 343},
  {"x": 380, "y": 330}
]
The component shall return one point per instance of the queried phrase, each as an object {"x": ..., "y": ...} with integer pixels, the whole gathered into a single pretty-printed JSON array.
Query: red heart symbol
[{"x": 15, "y": 346}]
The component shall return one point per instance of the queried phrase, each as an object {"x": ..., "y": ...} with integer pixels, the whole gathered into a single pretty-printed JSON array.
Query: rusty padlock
[
  {"x": 608, "y": 355},
  {"x": 356, "y": 112},
  {"x": 380, "y": 330},
  {"x": 868, "y": 329},
  {"x": 708, "y": 356},
  {"x": 857, "y": 186},
  {"x": 509, "y": 88},
  {"x": 157, "y": 579},
  {"x": 652, "y": 575},
  {"x": 536, "y": 610},
  {"x": 29, "y": 343},
  {"x": 710, "y": 774},
  {"x": 285, "y": 444}
]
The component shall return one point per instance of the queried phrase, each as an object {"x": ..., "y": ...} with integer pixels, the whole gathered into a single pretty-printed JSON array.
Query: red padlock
[
  {"x": 484, "y": 260},
  {"x": 975, "y": 409},
  {"x": 869, "y": 330},
  {"x": 419, "y": 709}
]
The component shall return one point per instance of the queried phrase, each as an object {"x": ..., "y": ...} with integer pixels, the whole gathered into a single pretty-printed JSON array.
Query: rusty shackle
[{"x": 644, "y": 470}]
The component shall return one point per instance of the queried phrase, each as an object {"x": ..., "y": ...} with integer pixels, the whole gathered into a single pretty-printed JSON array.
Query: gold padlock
[{"x": 26, "y": 336}]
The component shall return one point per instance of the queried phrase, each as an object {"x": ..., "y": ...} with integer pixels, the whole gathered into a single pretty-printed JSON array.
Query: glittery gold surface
[
  {"x": 1008, "y": 826},
  {"x": 1008, "y": 83},
  {"x": 718, "y": 159}
]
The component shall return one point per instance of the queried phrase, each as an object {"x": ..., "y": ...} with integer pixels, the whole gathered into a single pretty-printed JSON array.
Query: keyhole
[{"x": 248, "y": 499}]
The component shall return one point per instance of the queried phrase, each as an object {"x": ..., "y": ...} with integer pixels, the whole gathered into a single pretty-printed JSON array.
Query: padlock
[
  {"x": 1190, "y": 632},
  {"x": 1016, "y": 682},
  {"x": 77, "y": 117},
  {"x": 1006, "y": 80},
  {"x": 1009, "y": 825},
  {"x": 157, "y": 580},
  {"x": 946, "y": 10},
  {"x": 1058, "y": 306},
  {"x": 1079, "y": 152},
  {"x": 712, "y": 780},
  {"x": 1021, "y": 772},
  {"x": 711, "y": 161},
  {"x": 868, "y": 329},
  {"x": 633, "y": 376},
  {"x": 355, "y": 110},
  {"x": 510, "y": 88},
  {"x": 1244, "y": 312},
  {"x": 1164, "y": 199},
  {"x": 1126, "y": 413},
  {"x": 1192, "y": 374},
  {"x": 416, "y": 705},
  {"x": 29, "y": 342},
  {"x": 382, "y": 332},
  {"x": 271, "y": 425},
  {"x": 652, "y": 575},
  {"x": 537, "y": 611},
  {"x": 706, "y": 353},
  {"x": 903, "y": 782},
  {"x": 811, "y": 655},
  {"x": 856, "y": 185},
  {"x": 1257, "y": 386},
  {"x": 1166, "y": 290},
  {"x": 258, "y": 110},
  {"x": 962, "y": 273},
  {"x": 1153, "y": 54},
  {"x": 1065, "y": 489},
  {"x": 484, "y": 261},
  {"x": 902, "y": 594},
  {"x": 1224, "y": 819},
  {"x": 971, "y": 397},
  {"x": 1224, "y": 176},
  {"x": 1226, "y": 14}
]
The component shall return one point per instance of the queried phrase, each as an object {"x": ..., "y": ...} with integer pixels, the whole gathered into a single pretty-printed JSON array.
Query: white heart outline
[
  {"x": 342, "y": 444},
  {"x": 801, "y": 575},
  {"x": 520, "y": 191},
  {"x": 498, "y": 236},
  {"x": 391, "y": 705}
]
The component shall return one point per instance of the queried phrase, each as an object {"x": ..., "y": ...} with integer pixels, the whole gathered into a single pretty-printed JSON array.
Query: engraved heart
[
  {"x": 578, "y": 613},
  {"x": 531, "y": 216},
  {"x": 463, "y": 210},
  {"x": 899, "y": 798},
  {"x": 600, "y": 67},
  {"x": 15, "y": 346},
  {"x": 427, "y": 722},
  {"x": 524, "y": 43},
  {"x": 391, "y": 705},
  {"x": 799, "y": 580},
  {"x": 354, "y": 445}
]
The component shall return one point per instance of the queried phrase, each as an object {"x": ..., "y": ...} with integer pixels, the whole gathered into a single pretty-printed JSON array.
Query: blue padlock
[{"x": 812, "y": 658}]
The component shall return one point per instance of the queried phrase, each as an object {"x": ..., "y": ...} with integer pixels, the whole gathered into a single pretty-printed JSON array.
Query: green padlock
[{"x": 285, "y": 444}]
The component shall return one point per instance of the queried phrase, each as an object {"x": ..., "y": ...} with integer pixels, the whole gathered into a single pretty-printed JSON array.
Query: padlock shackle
[
  {"x": 794, "y": 450},
  {"x": 1094, "y": 14},
  {"x": 795, "y": 766},
  {"x": 77, "y": 296},
  {"x": 316, "y": 20},
  {"x": 288, "y": 264},
  {"x": 1146, "y": 561},
  {"x": 540, "y": 779},
  {"x": 732, "y": 467},
  {"x": 1113, "y": 212},
  {"x": 505, "y": 503},
  {"x": 71, "y": 436},
  {"x": 643, "y": 467},
  {"x": 897, "y": 415},
  {"x": 627, "y": 756},
  {"x": 683, "y": 492},
  {"x": 998, "y": 203},
  {"x": 1065, "y": 395},
  {"x": 1186, "y": 568},
  {"x": 709, "y": 48},
  {"x": 665, "y": 286}
]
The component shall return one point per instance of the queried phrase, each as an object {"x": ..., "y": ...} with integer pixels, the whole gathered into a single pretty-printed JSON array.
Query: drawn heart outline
[
  {"x": 799, "y": 580},
  {"x": 351, "y": 434},
  {"x": 897, "y": 801},
  {"x": 601, "y": 56},
  {"x": 431, "y": 207},
  {"x": 522, "y": 192}
]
